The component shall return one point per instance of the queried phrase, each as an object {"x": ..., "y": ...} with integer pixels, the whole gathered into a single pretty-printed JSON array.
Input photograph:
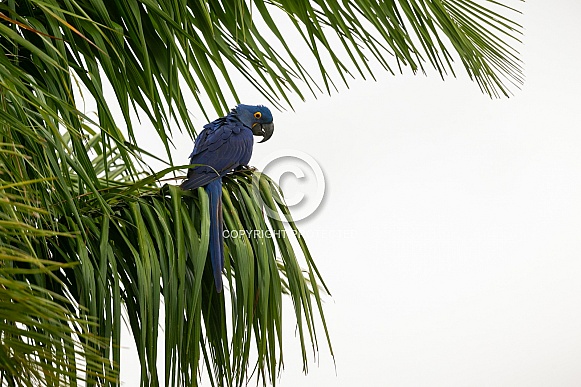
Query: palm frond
[
  {"x": 154, "y": 44},
  {"x": 150, "y": 246},
  {"x": 45, "y": 336}
]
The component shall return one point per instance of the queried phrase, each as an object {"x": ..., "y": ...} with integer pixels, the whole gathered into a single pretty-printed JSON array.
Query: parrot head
[{"x": 257, "y": 118}]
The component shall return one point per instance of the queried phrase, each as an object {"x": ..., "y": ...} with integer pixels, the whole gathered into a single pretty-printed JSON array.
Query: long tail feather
[{"x": 214, "y": 190}]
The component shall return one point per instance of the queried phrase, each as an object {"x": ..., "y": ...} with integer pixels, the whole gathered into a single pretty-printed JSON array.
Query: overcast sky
[{"x": 450, "y": 230}]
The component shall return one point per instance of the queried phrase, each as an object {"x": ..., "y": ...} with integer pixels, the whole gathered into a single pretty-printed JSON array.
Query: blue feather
[{"x": 214, "y": 190}]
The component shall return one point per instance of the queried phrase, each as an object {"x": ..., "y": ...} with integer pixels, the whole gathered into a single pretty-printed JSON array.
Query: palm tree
[{"x": 88, "y": 234}]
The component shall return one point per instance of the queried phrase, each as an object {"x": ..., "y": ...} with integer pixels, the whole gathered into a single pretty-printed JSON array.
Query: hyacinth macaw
[{"x": 224, "y": 145}]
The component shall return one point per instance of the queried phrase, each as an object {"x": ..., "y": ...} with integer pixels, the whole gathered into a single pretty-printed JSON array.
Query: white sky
[{"x": 450, "y": 233}]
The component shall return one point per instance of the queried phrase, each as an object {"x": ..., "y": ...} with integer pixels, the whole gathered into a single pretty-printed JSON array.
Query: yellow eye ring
[{"x": 257, "y": 115}]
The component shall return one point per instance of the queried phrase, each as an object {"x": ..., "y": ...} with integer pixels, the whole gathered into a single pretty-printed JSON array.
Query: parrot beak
[{"x": 264, "y": 130}]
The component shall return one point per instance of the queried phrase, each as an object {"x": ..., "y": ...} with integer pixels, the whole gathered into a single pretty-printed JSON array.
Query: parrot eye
[{"x": 257, "y": 115}]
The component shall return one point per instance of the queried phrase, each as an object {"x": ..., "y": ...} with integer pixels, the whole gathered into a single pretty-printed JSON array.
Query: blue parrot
[{"x": 224, "y": 145}]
